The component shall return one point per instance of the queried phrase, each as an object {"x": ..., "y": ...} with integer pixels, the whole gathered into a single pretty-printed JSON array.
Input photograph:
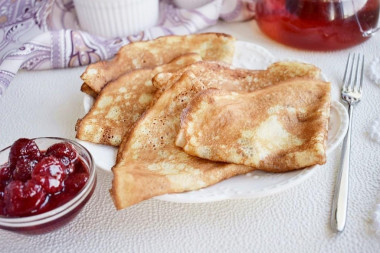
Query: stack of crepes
[{"x": 183, "y": 119}]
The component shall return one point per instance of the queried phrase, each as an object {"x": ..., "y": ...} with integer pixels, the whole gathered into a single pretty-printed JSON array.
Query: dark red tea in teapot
[{"x": 318, "y": 24}]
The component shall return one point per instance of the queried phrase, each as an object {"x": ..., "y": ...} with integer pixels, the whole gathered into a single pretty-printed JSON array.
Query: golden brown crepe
[
  {"x": 150, "y": 164},
  {"x": 148, "y": 54},
  {"x": 216, "y": 74},
  {"x": 239, "y": 79},
  {"x": 121, "y": 103},
  {"x": 279, "y": 128}
]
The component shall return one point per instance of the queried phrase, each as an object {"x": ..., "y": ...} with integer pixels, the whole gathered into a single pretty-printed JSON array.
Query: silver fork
[{"x": 351, "y": 93}]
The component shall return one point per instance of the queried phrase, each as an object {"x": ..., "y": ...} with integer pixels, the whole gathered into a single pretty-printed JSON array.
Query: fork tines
[{"x": 355, "y": 62}]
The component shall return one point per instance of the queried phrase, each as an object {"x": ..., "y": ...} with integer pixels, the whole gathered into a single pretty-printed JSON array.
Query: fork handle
[{"x": 339, "y": 206}]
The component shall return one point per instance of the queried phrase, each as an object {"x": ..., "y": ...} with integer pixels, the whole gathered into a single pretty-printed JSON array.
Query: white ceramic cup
[
  {"x": 113, "y": 18},
  {"x": 190, "y": 4}
]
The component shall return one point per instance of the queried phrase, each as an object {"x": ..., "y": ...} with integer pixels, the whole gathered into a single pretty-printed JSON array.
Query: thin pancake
[
  {"x": 242, "y": 79},
  {"x": 148, "y": 54},
  {"x": 221, "y": 75},
  {"x": 119, "y": 105},
  {"x": 280, "y": 128},
  {"x": 150, "y": 164}
]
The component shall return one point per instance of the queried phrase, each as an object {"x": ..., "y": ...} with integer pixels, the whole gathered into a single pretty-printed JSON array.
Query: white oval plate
[{"x": 250, "y": 185}]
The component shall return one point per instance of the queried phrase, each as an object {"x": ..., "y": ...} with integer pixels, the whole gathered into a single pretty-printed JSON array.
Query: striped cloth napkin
[{"x": 46, "y": 34}]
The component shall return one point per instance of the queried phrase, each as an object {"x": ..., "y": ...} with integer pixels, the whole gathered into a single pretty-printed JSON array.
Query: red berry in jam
[
  {"x": 22, "y": 199},
  {"x": 5, "y": 178},
  {"x": 24, "y": 168},
  {"x": 5, "y": 173},
  {"x": 23, "y": 148},
  {"x": 65, "y": 152},
  {"x": 49, "y": 173},
  {"x": 75, "y": 182}
]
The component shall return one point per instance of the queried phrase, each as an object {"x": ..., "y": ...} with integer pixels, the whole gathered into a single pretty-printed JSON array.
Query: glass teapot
[{"x": 318, "y": 24}]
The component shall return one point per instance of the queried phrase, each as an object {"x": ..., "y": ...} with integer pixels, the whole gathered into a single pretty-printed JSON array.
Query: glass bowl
[{"x": 61, "y": 215}]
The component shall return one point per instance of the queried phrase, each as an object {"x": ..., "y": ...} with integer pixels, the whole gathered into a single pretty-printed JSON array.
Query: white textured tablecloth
[{"x": 48, "y": 103}]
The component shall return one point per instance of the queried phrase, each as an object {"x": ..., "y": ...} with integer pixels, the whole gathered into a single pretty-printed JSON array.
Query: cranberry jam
[{"x": 35, "y": 181}]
